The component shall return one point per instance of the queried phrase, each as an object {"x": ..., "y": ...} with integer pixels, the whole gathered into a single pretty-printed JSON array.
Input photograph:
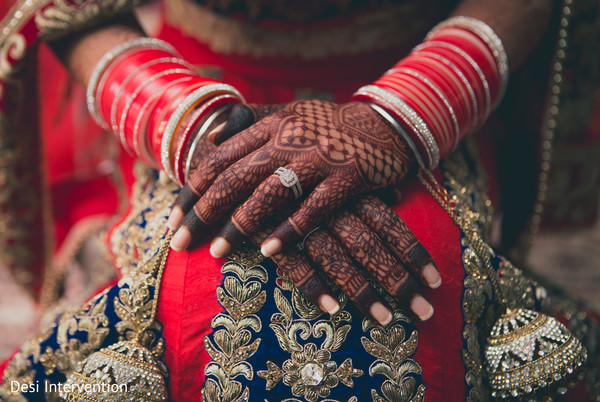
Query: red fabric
[{"x": 187, "y": 305}]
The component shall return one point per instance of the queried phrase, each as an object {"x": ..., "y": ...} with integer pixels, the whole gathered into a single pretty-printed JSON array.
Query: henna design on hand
[
  {"x": 396, "y": 235},
  {"x": 299, "y": 270},
  {"x": 368, "y": 250},
  {"x": 341, "y": 150},
  {"x": 327, "y": 253}
]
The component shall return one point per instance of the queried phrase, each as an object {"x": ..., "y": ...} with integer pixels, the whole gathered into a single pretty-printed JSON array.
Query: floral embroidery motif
[
  {"x": 242, "y": 296},
  {"x": 309, "y": 372}
]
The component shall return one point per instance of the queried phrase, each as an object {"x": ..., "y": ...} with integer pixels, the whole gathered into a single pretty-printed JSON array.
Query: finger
[
  {"x": 229, "y": 152},
  {"x": 242, "y": 117},
  {"x": 298, "y": 269},
  {"x": 325, "y": 251},
  {"x": 368, "y": 250},
  {"x": 270, "y": 196},
  {"x": 323, "y": 200},
  {"x": 399, "y": 238},
  {"x": 236, "y": 183}
]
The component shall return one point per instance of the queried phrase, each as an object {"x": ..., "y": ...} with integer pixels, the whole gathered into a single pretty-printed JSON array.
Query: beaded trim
[
  {"x": 486, "y": 34},
  {"x": 175, "y": 120},
  {"x": 108, "y": 58},
  {"x": 410, "y": 117}
]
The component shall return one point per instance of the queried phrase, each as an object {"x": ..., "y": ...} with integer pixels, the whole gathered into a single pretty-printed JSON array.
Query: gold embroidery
[
  {"x": 133, "y": 240},
  {"x": 511, "y": 369},
  {"x": 90, "y": 318},
  {"x": 228, "y": 35},
  {"x": 242, "y": 297},
  {"x": 64, "y": 16},
  {"x": 309, "y": 372},
  {"x": 468, "y": 189},
  {"x": 394, "y": 359}
]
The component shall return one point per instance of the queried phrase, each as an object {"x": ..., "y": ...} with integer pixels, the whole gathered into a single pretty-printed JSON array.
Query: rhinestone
[{"x": 312, "y": 374}]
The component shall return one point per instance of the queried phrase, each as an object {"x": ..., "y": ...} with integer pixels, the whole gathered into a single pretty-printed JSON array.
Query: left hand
[{"x": 336, "y": 150}]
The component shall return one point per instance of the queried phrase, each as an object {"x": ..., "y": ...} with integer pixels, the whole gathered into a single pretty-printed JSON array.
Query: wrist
[
  {"x": 155, "y": 103},
  {"x": 444, "y": 90}
]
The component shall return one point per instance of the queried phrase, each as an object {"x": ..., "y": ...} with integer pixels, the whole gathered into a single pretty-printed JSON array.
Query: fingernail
[
  {"x": 329, "y": 304},
  {"x": 270, "y": 247},
  {"x": 215, "y": 131},
  {"x": 175, "y": 218},
  {"x": 421, "y": 307},
  {"x": 219, "y": 247},
  {"x": 381, "y": 313},
  {"x": 432, "y": 276},
  {"x": 181, "y": 239}
]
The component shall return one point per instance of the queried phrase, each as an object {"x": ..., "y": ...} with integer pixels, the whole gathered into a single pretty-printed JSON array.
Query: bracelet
[
  {"x": 465, "y": 84},
  {"x": 107, "y": 59},
  {"x": 401, "y": 110},
  {"x": 190, "y": 101},
  {"x": 133, "y": 97},
  {"x": 200, "y": 134},
  {"x": 141, "y": 143},
  {"x": 388, "y": 117},
  {"x": 425, "y": 106},
  {"x": 123, "y": 95},
  {"x": 443, "y": 98},
  {"x": 491, "y": 39},
  {"x": 458, "y": 51},
  {"x": 162, "y": 113}
]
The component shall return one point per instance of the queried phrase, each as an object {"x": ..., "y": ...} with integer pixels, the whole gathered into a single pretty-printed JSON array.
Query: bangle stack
[
  {"x": 155, "y": 103},
  {"x": 444, "y": 89}
]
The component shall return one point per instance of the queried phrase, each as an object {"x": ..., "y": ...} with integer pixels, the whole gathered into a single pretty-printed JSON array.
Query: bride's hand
[
  {"x": 335, "y": 150},
  {"x": 366, "y": 232}
]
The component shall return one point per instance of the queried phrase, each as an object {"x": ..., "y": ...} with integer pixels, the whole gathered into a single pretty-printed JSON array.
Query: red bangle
[
  {"x": 460, "y": 84},
  {"x": 421, "y": 100},
  {"x": 113, "y": 77},
  {"x": 126, "y": 90},
  {"x": 139, "y": 98},
  {"x": 467, "y": 67},
  {"x": 160, "y": 116},
  {"x": 141, "y": 140},
  {"x": 448, "y": 95},
  {"x": 478, "y": 51}
]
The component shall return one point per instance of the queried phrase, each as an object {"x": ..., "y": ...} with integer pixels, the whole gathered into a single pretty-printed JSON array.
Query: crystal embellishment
[
  {"x": 312, "y": 374},
  {"x": 527, "y": 350}
]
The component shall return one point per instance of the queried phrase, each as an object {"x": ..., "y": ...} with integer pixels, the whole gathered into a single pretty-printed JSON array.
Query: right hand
[{"x": 366, "y": 231}]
